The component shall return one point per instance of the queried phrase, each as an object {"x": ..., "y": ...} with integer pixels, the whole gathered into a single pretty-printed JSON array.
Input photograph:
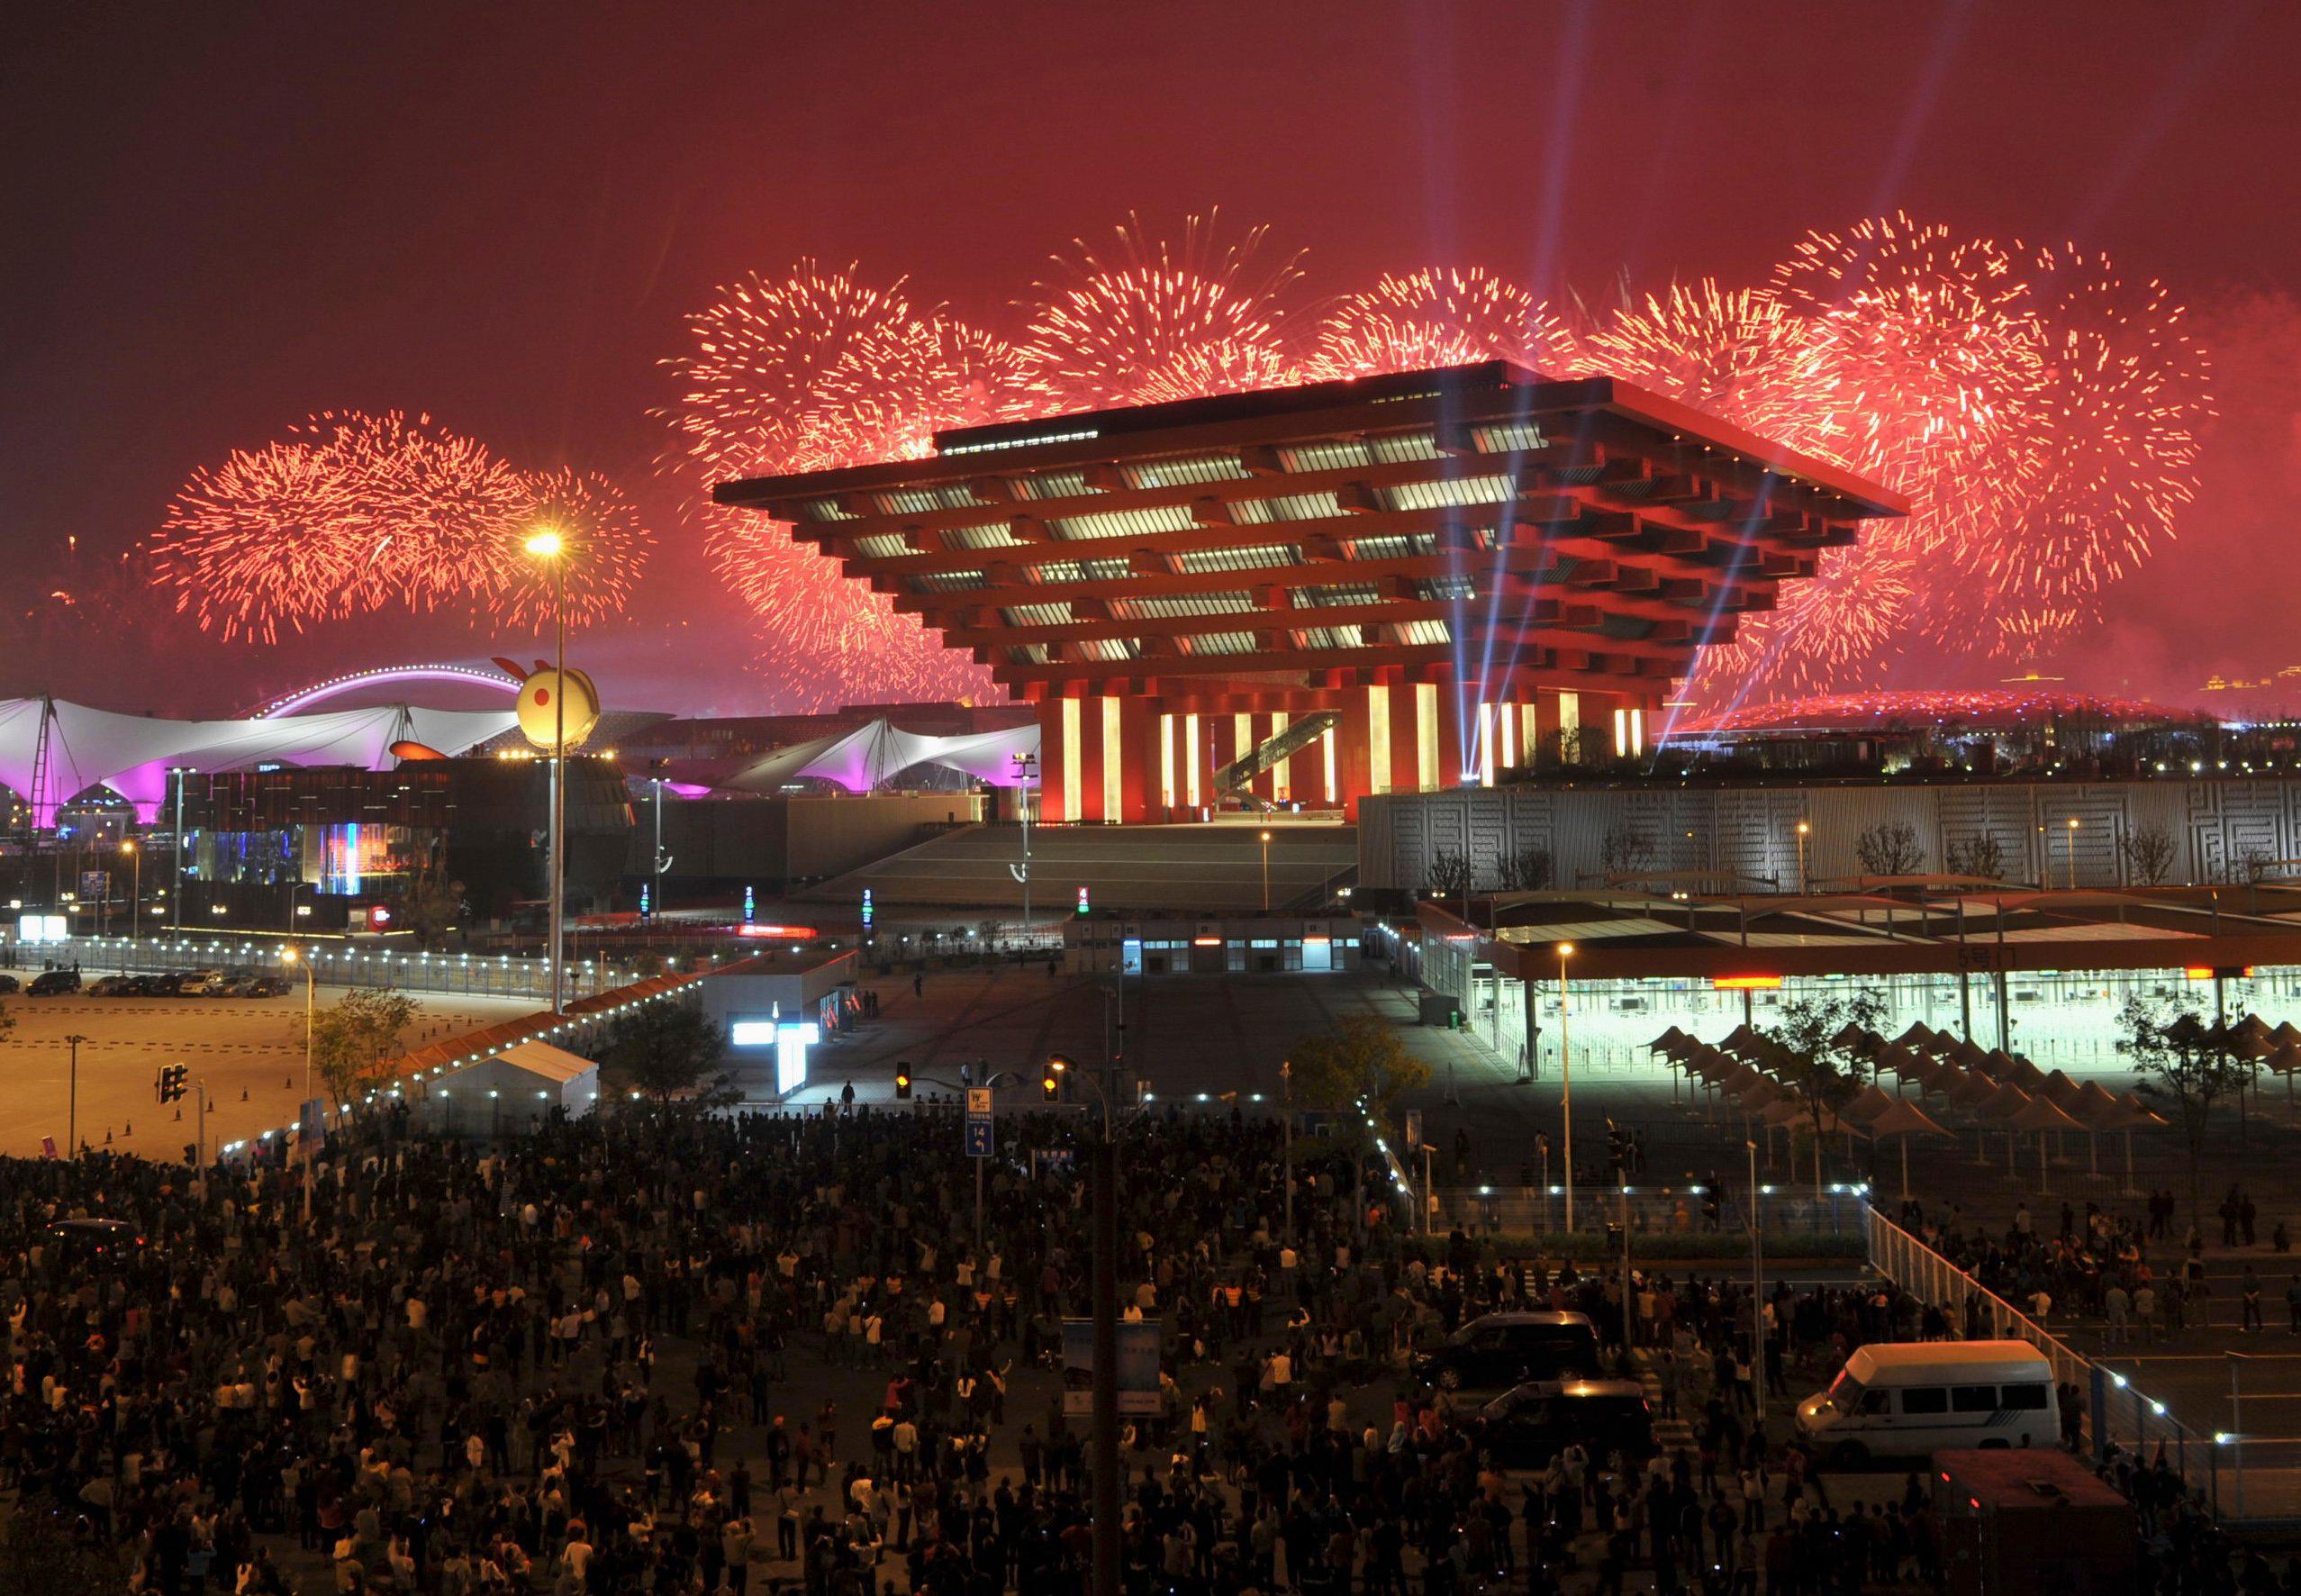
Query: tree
[
  {"x": 668, "y": 1050},
  {"x": 1979, "y": 855},
  {"x": 2149, "y": 854},
  {"x": 363, "y": 1027},
  {"x": 1821, "y": 1071},
  {"x": 2183, "y": 1064},
  {"x": 1626, "y": 850},
  {"x": 1890, "y": 847},
  {"x": 1527, "y": 869},
  {"x": 1362, "y": 1059},
  {"x": 433, "y": 904},
  {"x": 1449, "y": 873}
]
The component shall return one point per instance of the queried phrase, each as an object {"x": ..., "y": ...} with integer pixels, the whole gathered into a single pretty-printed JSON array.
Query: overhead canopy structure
[
  {"x": 512, "y": 1088},
  {"x": 52, "y": 751},
  {"x": 874, "y": 753}
]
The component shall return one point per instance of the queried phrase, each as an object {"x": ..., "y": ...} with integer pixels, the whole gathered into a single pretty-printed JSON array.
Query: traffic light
[
  {"x": 1050, "y": 1085},
  {"x": 170, "y": 1088},
  {"x": 1617, "y": 1149},
  {"x": 902, "y": 1082}
]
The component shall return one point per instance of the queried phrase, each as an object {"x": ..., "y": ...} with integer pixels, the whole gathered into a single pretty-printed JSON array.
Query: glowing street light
[{"x": 1266, "y": 873}]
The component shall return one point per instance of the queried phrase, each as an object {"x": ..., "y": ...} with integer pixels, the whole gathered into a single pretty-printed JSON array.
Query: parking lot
[{"x": 247, "y": 1051}]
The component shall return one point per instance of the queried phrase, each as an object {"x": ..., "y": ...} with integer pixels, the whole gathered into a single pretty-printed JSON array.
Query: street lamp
[
  {"x": 1266, "y": 873},
  {"x": 289, "y": 955},
  {"x": 136, "y": 893},
  {"x": 1802, "y": 829},
  {"x": 72, "y": 1104},
  {"x": 1566, "y": 1083},
  {"x": 1026, "y": 767},
  {"x": 546, "y": 544},
  {"x": 2073, "y": 853}
]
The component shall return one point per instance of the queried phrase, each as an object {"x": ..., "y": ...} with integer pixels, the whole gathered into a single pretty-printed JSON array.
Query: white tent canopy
[
  {"x": 874, "y": 753},
  {"x": 133, "y": 754}
]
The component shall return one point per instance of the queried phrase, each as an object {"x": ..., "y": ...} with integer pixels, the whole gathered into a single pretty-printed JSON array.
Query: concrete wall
[
  {"x": 790, "y": 838},
  {"x": 2215, "y": 827}
]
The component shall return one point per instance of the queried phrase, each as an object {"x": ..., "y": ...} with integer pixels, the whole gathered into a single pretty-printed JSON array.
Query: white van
[{"x": 1910, "y": 1399}]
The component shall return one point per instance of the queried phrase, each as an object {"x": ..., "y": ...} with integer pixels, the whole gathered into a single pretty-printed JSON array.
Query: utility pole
[{"x": 176, "y": 903}]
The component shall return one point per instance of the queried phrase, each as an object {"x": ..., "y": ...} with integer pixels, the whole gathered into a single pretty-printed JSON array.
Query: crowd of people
[{"x": 612, "y": 1357}]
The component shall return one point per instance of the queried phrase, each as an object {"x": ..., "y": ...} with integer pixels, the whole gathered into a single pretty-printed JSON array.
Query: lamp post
[
  {"x": 1266, "y": 873},
  {"x": 290, "y": 956},
  {"x": 1803, "y": 827},
  {"x": 547, "y": 545},
  {"x": 1026, "y": 767},
  {"x": 175, "y": 904},
  {"x": 72, "y": 1101},
  {"x": 1566, "y": 1083},
  {"x": 2073, "y": 853},
  {"x": 1757, "y": 1291},
  {"x": 1286, "y": 1093},
  {"x": 135, "y": 892}
]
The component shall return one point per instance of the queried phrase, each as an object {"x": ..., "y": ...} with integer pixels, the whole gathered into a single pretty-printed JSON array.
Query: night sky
[{"x": 223, "y": 218}]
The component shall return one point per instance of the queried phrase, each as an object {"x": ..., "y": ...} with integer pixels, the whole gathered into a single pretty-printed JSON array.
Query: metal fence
[
  {"x": 456, "y": 974},
  {"x": 1660, "y": 1211},
  {"x": 2119, "y": 1414}
]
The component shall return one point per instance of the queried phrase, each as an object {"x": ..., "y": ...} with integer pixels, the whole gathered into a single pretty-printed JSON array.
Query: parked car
[
  {"x": 112, "y": 986},
  {"x": 1528, "y": 1425},
  {"x": 48, "y": 982},
  {"x": 1498, "y": 1350},
  {"x": 155, "y": 986},
  {"x": 8, "y": 983},
  {"x": 202, "y": 983}
]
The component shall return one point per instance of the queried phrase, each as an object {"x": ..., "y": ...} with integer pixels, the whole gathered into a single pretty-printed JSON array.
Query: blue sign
[
  {"x": 647, "y": 902},
  {"x": 750, "y": 906},
  {"x": 978, "y": 1138},
  {"x": 866, "y": 908}
]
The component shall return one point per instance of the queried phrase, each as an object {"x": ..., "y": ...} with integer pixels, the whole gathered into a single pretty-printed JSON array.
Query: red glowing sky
[{"x": 223, "y": 220}]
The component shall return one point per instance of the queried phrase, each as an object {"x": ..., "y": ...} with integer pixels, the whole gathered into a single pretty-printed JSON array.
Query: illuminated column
[
  {"x": 1430, "y": 740},
  {"x": 1570, "y": 728},
  {"x": 1281, "y": 773},
  {"x": 1169, "y": 794},
  {"x": 1072, "y": 794},
  {"x": 1117, "y": 758},
  {"x": 1377, "y": 742},
  {"x": 1192, "y": 759}
]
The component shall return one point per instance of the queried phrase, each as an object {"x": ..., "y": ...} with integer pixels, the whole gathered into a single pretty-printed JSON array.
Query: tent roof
[{"x": 545, "y": 1061}]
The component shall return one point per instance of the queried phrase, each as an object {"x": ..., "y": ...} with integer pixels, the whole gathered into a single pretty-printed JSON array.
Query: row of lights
[{"x": 587, "y": 1020}]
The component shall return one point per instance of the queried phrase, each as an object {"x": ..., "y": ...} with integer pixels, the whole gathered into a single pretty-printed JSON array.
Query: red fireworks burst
[
  {"x": 1438, "y": 316},
  {"x": 354, "y": 513},
  {"x": 1154, "y": 322},
  {"x": 259, "y": 543},
  {"x": 2040, "y": 415}
]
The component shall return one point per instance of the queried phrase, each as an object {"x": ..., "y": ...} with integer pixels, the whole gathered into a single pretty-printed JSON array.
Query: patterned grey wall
[{"x": 2219, "y": 829}]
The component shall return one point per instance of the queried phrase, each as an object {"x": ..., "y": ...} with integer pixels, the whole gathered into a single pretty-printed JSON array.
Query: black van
[
  {"x": 1528, "y": 1425},
  {"x": 50, "y": 982},
  {"x": 1496, "y": 1350}
]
